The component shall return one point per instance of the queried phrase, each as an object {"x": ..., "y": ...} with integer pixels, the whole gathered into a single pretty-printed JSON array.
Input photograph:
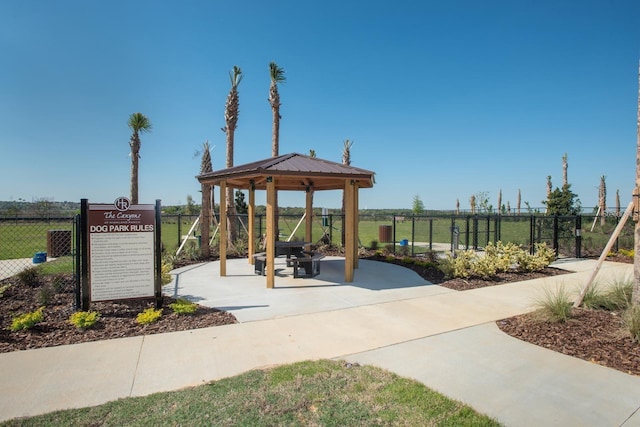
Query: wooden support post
[
  {"x": 604, "y": 254},
  {"x": 355, "y": 225},
  {"x": 223, "y": 228},
  {"x": 271, "y": 243},
  {"x": 308, "y": 235},
  {"x": 251, "y": 223},
  {"x": 348, "y": 230}
]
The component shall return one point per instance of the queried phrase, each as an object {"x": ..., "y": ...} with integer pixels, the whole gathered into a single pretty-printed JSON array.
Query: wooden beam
[
  {"x": 251, "y": 223},
  {"x": 223, "y": 228},
  {"x": 308, "y": 234},
  {"x": 271, "y": 240},
  {"x": 348, "y": 231},
  {"x": 356, "y": 220}
]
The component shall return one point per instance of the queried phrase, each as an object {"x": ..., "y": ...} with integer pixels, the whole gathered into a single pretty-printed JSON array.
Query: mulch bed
[
  {"x": 592, "y": 335},
  {"x": 118, "y": 318}
]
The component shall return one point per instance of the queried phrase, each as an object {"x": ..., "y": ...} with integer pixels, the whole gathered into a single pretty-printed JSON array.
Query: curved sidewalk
[{"x": 388, "y": 317}]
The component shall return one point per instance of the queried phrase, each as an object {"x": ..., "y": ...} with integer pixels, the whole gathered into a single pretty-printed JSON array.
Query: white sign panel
[{"x": 121, "y": 250}]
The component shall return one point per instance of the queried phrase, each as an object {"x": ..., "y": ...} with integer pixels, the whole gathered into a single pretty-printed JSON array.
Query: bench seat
[{"x": 310, "y": 263}]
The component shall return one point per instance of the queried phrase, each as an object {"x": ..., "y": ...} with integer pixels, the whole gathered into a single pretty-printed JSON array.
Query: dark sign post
[{"x": 121, "y": 258}]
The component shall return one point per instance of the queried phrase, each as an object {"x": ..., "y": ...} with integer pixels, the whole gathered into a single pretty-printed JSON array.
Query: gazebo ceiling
[{"x": 290, "y": 172}]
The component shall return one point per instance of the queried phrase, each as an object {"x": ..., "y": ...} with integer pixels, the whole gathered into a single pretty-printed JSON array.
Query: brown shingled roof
[{"x": 291, "y": 172}]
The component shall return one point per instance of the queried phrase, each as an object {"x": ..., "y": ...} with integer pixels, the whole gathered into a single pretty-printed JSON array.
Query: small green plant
[
  {"x": 183, "y": 306},
  {"x": 148, "y": 316},
  {"x": 631, "y": 320},
  {"x": 390, "y": 258},
  {"x": 45, "y": 294},
  {"x": 59, "y": 284},
  {"x": 555, "y": 306},
  {"x": 374, "y": 245},
  {"x": 27, "y": 320},
  {"x": 407, "y": 260},
  {"x": 166, "y": 274},
  {"x": 594, "y": 297},
  {"x": 84, "y": 319},
  {"x": 4, "y": 288},
  {"x": 29, "y": 277}
]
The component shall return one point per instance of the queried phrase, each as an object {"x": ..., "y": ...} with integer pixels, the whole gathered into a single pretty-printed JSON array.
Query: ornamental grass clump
[
  {"x": 148, "y": 316},
  {"x": 183, "y": 306},
  {"x": 27, "y": 320},
  {"x": 84, "y": 319},
  {"x": 555, "y": 305},
  {"x": 631, "y": 320}
]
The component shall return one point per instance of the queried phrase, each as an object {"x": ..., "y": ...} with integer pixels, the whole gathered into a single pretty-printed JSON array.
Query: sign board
[{"x": 121, "y": 250}]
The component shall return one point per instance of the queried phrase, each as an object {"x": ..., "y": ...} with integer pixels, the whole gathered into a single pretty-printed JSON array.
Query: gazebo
[{"x": 289, "y": 172}]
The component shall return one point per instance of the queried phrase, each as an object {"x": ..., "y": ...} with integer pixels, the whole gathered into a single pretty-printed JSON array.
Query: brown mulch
[
  {"x": 593, "y": 335},
  {"x": 118, "y": 318}
]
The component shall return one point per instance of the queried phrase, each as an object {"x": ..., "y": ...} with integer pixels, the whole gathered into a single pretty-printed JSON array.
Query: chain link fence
[
  {"x": 35, "y": 242},
  {"x": 31, "y": 242}
]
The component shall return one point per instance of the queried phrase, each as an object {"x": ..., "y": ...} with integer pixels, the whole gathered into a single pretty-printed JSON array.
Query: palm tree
[
  {"x": 346, "y": 160},
  {"x": 602, "y": 199},
  {"x": 207, "y": 200},
  {"x": 231, "y": 110},
  {"x": 138, "y": 123},
  {"x": 276, "y": 74},
  {"x": 636, "y": 232}
]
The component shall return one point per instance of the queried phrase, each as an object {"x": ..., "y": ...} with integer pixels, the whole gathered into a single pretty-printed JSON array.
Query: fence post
[
  {"x": 475, "y": 232},
  {"x": 555, "y": 234},
  {"x": 179, "y": 229},
  {"x": 578, "y": 236},
  {"x": 84, "y": 244},
  {"x": 78, "y": 261},
  {"x": 413, "y": 234},
  {"x": 467, "y": 232},
  {"x": 488, "y": 227},
  {"x": 532, "y": 233},
  {"x": 393, "y": 219},
  {"x": 331, "y": 228},
  {"x": 430, "y": 234},
  {"x": 496, "y": 234}
]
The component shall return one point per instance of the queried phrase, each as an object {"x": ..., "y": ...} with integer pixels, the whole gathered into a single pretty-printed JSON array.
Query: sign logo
[{"x": 122, "y": 204}]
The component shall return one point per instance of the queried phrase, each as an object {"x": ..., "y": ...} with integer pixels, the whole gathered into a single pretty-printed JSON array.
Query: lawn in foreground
[{"x": 328, "y": 393}]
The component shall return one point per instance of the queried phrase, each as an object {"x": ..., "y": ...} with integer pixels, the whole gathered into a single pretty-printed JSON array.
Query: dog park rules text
[{"x": 121, "y": 251}]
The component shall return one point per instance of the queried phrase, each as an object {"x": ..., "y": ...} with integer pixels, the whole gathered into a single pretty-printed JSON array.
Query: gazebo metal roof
[{"x": 292, "y": 172}]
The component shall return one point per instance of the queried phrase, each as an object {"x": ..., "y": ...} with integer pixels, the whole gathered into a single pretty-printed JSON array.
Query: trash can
[
  {"x": 39, "y": 257},
  {"x": 455, "y": 238},
  {"x": 58, "y": 243},
  {"x": 404, "y": 242},
  {"x": 384, "y": 233}
]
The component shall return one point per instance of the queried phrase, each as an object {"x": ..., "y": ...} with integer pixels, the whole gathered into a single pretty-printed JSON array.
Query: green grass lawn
[{"x": 323, "y": 393}]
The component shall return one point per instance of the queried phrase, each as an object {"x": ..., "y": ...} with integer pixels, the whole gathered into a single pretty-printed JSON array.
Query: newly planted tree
[
  {"x": 206, "y": 166},
  {"x": 276, "y": 74},
  {"x": 231, "y": 110},
  {"x": 138, "y": 123}
]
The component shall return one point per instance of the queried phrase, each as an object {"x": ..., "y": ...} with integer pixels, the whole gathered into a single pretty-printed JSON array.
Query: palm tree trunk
[
  {"x": 636, "y": 245},
  {"x": 134, "y": 177}
]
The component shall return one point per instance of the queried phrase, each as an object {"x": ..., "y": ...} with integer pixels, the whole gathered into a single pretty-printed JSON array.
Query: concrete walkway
[{"x": 388, "y": 317}]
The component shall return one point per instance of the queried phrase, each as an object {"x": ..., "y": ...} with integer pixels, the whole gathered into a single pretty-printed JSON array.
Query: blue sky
[{"x": 443, "y": 99}]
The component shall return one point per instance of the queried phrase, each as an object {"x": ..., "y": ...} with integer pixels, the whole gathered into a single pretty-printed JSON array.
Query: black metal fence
[{"x": 25, "y": 241}]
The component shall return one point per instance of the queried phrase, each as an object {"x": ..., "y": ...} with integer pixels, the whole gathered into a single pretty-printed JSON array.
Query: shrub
[
  {"x": 84, "y": 319},
  {"x": 148, "y": 316},
  {"x": 166, "y": 274},
  {"x": 631, "y": 320},
  {"x": 458, "y": 265},
  {"x": 4, "y": 288},
  {"x": 502, "y": 256},
  {"x": 27, "y": 320},
  {"x": 542, "y": 257},
  {"x": 45, "y": 294},
  {"x": 407, "y": 260},
  {"x": 593, "y": 298},
  {"x": 555, "y": 306},
  {"x": 59, "y": 283},
  {"x": 485, "y": 267},
  {"x": 29, "y": 277},
  {"x": 183, "y": 306},
  {"x": 374, "y": 245}
]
